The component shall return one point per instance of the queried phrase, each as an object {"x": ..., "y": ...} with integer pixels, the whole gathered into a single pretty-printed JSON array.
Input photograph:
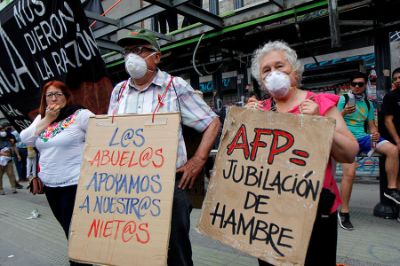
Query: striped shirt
[{"x": 195, "y": 113}]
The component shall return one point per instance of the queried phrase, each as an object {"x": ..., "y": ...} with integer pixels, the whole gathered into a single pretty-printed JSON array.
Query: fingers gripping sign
[
  {"x": 309, "y": 107},
  {"x": 253, "y": 103}
]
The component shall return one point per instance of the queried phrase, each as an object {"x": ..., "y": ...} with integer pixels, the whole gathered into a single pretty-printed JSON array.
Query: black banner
[{"x": 42, "y": 40}]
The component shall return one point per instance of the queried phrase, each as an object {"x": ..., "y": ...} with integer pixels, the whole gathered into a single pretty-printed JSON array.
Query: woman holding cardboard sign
[
  {"x": 58, "y": 133},
  {"x": 277, "y": 70}
]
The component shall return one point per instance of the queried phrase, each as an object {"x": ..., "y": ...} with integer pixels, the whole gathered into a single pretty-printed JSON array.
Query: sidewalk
[{"x": 41, "y": 242}]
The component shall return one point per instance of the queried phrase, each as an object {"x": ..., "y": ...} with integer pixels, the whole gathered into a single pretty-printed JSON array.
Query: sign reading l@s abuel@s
[
  {"x": 268, "y": 175},
  {"x": 123, "y": 205}
]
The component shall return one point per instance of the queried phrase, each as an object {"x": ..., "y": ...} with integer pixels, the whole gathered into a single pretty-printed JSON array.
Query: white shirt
[
  {"x": 60, "y": 155},
  {"x": 4, "y": 159}
]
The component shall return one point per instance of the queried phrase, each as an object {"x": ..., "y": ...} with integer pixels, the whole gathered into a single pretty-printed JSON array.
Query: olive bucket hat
[{"x": 139, "y": 36}]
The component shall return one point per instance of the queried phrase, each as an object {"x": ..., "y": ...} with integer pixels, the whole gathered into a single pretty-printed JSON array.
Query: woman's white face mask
[
  {"x": 277, "y": 84},
  {"x": 3, "y": 134},
  {"x": 136, "y": 66}
]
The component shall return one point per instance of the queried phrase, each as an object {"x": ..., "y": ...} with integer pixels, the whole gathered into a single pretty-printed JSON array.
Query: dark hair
[
  {"x": 59, "y": 85},
  {"x": 397, "y": 70},
  {"x": 358, "y": 75}
]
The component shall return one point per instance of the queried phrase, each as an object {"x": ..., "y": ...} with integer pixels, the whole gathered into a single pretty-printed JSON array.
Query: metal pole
[
  {"x": 214, "y": 6},
  {"x": 385, "y": 208},
  {"x": 238, "y": 4}
]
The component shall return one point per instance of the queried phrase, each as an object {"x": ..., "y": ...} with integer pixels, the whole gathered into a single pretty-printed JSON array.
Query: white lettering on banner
[
  {"x": 10, "y": 111},
  {"x": 14, "y": 55},
  {"x": 15, "y": 115},
  {"x": 47, "y": 32},
  {"x": 22, "y": 11},
  {"x": 47, "y": 73},
  {"x": 22, "y": 123}
]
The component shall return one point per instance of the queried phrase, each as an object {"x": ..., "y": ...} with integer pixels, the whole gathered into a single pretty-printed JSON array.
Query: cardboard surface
[
  {"x": 269, "y": 173},
  {"x": 124, "y": 200}
]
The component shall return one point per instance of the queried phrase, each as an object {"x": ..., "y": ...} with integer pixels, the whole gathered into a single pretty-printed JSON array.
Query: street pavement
[{"x": 41, "y": 242}]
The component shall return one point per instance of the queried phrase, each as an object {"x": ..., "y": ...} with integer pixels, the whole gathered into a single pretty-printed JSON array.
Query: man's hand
[
  {"x": 190, "y": 171},
  {"x": 375, "y": 136},
  {"x": 349, "y": 109}
]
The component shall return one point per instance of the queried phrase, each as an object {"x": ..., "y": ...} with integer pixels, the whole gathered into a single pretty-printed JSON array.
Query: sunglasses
[{"x": 359, "y": 84}]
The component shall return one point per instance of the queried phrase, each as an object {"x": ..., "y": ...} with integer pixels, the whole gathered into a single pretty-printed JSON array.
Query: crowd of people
[{"x": 58, "y": 134}]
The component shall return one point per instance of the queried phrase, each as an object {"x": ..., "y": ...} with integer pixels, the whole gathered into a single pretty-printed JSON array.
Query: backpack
[{"x": 346, "y": 100}]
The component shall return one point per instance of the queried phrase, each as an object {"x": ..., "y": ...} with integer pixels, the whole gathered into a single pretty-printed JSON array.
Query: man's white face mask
[
  {"x": 277, "y": 84},
  {"x": 136, "y": 66}
]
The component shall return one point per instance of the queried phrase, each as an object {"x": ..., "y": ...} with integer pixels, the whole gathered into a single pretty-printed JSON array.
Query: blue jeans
[{"x": 180, "y": 248}]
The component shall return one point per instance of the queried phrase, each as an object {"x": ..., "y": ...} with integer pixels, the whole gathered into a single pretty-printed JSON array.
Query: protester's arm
[
  {"x": 195, "y": 164},
  {"x": 344, "y": 146},
  {"x": 373, "y": 130},
  {"x": 15, "y": 150},
  {"x": 28, "y": 135},
  {"x": 392, "y": 129},
  {"x": 83, "y": 119}
]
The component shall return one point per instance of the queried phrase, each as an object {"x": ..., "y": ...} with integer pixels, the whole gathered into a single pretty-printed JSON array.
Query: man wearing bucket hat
[{"x": 151, "y": 90}]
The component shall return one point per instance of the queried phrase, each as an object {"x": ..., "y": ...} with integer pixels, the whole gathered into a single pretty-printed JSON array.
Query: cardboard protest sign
[
  {"x": 123, "y": 204},
  {"x": 268, "y": 176},
  {"x": 43, "y": 40}
]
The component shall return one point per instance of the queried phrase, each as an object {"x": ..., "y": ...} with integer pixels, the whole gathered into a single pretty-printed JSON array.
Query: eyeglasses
[
  {"x": 137, "y": 50},
  {"x": 359, "y": 84},
  {"x": 57, "y": 94}
]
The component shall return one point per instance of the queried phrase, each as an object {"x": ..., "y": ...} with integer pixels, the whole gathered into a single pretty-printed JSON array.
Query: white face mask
[
  {"x": 277, "y": 84},
  {"x": 3, "y": 134},
  {"x": 136, "y": 66}
]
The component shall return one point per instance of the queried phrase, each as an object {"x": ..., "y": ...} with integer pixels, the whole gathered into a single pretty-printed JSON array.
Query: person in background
[
  {"x": 6, "y": 163},
  {"x": 58, "y": 133},
  {"x": 148, "y": 90},
  {"x": 31, "y": 163},
  {"x": 20, "y": 162},
  {"x": 391, "y": 112},
  {"x": 277, "y": 70},
  {"x": 390, "y": 128},
  {"x": 359, "y": 116}
]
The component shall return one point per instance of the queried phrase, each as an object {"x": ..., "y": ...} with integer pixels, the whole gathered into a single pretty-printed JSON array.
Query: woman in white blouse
[{"x": 58, "y": 133}]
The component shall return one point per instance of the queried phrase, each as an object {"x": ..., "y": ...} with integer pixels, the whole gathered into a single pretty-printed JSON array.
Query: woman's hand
[
  {"x": 309, "y": 107},
  {"x": 253, "y": 103},
  {"x": 52, "y": 112}
]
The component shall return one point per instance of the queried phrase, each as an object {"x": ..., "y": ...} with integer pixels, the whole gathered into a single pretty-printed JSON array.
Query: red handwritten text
[
  {"x": 144, "y": 158},
  {"x": 120, "y": 229},
  {"x": 240, "y": 142}
]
